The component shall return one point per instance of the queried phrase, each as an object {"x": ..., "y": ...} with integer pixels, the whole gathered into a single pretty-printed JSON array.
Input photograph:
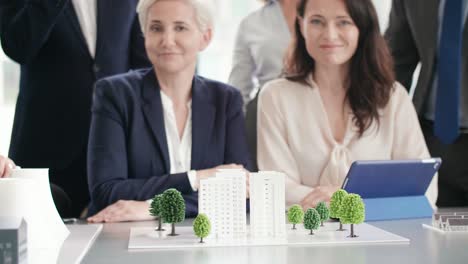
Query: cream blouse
[{"x": 294, "y": 137}]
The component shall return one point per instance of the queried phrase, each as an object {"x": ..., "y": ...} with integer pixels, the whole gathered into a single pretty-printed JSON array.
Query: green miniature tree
[
  {"x": 335, "y": 205},
  {"x": 201, "y": 226},
  {"x": 155, "y": 210},
  {"x": 352, "y": 211},
  {"x": 311, "y": 220},
  {"x": 323, "y": 211},
  {"x": 172, "y": 208},
  {"x": 295, "y": 215}
]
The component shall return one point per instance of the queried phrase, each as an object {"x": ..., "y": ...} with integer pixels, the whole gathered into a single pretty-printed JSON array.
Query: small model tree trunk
[
  {"x": 321, "y": 223},
  {"x": 341, "y": 228},
  {"x": 311, "y": 232},
  {"x": 160, "y": 225},
  {"x": 352, "y": 231},
  {"x": 173, "y": 233},
  {"x": 294, "y": 227},
  {"x": 201, "y": 240}
]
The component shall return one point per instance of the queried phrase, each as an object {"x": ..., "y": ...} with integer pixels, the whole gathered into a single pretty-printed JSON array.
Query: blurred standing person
[
  {"x": 261, "y": 42},
  {"x": 63, "y": 47},
  {"x": 434, "y": 34}
]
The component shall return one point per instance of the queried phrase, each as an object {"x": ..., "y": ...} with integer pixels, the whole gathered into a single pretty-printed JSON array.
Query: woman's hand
[
  {"x": 205, "y": 174},
  {"x": 123, "y": 211},
  {"x": 319, "y": 194},
  {"x": 6, "y": 167}
]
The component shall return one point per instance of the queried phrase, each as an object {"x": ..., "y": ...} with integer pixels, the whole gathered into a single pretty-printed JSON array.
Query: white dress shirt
[
  {"x": 180, "y": 149},
  {"x": 86, "y": 11}
]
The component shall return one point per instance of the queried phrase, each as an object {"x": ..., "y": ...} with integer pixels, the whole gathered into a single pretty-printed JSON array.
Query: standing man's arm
[
  {"x": 401, "y": 42},
  {"x": 25, "y": 26},
  {"x": 138, "y": 57}
]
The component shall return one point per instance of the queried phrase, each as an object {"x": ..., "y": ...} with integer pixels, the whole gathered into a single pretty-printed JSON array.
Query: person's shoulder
[
  {"x": 121, "y": 89},
  {"x": 217, "y": 87},
  {"x": 399, "y": 92},
  {"x": 125, "y": 78},
  {"x": 399, "y": 99},
  {"x": 258, "y": 16},
  {"x": 218, "y": 93},
  {"x": 124, "y": 82},
  {"x": 281, "y": 85}
]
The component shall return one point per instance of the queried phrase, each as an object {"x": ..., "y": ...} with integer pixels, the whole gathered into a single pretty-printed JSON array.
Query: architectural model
[
  {"x": 267, "y": 204},
  {"x": 450, "y": 221},
  {"x": 223, "y": 200},
  {"x": 222, "y": 218}
]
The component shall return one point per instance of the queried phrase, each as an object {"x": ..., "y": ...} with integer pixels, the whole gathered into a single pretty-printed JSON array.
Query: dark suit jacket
[
  {"x": 128, "y": 156},
  {"x": 57, "y": 72},
  {"x": 412, "y": 36}
]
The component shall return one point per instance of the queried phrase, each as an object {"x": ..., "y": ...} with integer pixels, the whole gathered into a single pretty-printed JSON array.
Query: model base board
[{"x": 148, "y": 238}]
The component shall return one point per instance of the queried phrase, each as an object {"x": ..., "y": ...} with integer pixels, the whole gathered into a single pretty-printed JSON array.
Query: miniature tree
[
  {"x": 335, "y": 205},
  {"x": 352, "y": 211},
  {"x": 295, "y": 215},
  {"x": 201, "y": 226},
  {"x": 311, "y": 220},
  {"x": 323, "y": 211},
  {"x": 172, "y": 208},
  {"x": 155, "y": 210}
]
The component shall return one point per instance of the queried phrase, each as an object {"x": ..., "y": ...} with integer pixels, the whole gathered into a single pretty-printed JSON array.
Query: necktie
[{"x": 446, "y": 126}]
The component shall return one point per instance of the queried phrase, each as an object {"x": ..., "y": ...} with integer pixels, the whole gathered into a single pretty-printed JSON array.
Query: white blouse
[
  {"x": 180, "y": 149},
  {"x": 294, "y": 137}
]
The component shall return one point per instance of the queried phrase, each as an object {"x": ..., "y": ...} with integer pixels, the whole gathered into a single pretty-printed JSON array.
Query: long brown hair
[{"x": 371, "y": 75}]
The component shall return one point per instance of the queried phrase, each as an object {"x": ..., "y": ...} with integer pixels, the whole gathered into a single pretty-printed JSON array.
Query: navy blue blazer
[
  {"x": 128, "y": 156},
  {"x": 58, "y": 73}
]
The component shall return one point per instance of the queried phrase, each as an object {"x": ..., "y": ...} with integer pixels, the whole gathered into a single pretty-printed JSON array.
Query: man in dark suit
[
  {"x": 63, "y": 47},
  {"x": 433, "y": 33}
]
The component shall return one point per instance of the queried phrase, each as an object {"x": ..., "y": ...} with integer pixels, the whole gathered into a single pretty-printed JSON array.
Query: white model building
[
  {"x": 267, "y": 204},
  {"x": 223, "y": 199}
]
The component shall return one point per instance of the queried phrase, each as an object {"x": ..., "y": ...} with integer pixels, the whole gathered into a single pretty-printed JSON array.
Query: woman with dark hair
[
  {"x": 339, "y": 102},
  {"x": 162, "y": 127}
]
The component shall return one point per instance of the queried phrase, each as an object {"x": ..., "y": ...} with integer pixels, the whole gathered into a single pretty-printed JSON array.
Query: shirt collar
[{"x": 167, "y": 102}]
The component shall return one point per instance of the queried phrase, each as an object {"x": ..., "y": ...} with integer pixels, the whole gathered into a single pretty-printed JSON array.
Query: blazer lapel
[
  {"x": 203, "y": 114},
  {"x": 153, "y": 112},
  {"x": 73, "y": 18}
]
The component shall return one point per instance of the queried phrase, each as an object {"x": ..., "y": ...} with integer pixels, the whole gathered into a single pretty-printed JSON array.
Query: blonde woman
[{"x": 162, "y": 127}]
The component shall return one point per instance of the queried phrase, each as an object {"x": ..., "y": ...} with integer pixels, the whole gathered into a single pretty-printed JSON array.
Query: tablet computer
[{"x": 390, "y": 178}]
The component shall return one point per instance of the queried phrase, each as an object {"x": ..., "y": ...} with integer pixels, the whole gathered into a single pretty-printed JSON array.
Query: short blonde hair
[{"x": 203, "y": 13}]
